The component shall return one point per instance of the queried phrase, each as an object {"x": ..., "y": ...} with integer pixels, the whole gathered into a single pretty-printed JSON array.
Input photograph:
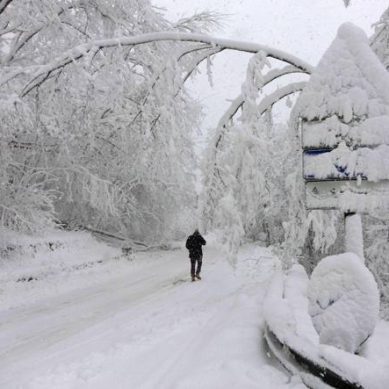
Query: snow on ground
[
  {"x": 136, "y": 324},
  {"x": 32, "y": 268}
]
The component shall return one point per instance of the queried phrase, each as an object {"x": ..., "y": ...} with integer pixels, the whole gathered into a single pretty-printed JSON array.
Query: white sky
[{"x": 304, "y": 28}]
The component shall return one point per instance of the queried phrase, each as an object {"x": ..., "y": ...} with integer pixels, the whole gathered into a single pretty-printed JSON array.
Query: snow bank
[
  {"x": 343, "y": 301},
  {"x": 295, "y": 292},
  {"x": 44, "y": 265},
  {"x": 370, "y": 374},
  {"x": 286, "y": 311}
]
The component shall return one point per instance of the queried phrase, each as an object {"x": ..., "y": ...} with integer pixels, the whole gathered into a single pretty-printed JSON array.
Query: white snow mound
[
  {"x": 343, "y": 301},
  {"x": 349, "y": 82}
]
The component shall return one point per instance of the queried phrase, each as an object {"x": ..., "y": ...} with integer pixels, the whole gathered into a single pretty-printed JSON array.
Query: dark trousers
[{"x": 193, "y": 269}]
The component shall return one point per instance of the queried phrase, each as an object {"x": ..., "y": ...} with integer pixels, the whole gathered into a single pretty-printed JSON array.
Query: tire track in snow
[
  {"x": 157, "y": 327},
  {"x": 27, "y": 333},
  {"x": 173, "y": 370}
]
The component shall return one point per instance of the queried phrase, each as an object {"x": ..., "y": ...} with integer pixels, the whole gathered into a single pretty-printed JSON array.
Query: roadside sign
[
  {"x": 325, "y": 165},
  {"x": 344, "y": 127},
  {"x": 349, "y": 196}
]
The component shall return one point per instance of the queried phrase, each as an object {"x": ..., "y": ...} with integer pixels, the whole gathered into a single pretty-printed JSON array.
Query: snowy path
[{"x": 147, "y": 327}]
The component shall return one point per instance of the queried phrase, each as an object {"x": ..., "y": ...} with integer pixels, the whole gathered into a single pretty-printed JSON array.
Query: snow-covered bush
[
  {"x": 343, "y": 301},
  {"x": 228, "y": 225}
]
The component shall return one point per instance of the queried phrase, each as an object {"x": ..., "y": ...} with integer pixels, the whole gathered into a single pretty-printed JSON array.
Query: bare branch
[
  {"x": 19, "y": 43},
  {"x": 76, "y": 28},
  {"x": 4, "y": 4}
]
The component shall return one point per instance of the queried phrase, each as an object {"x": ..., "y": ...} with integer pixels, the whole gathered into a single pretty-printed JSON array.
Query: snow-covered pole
[{"x": 354, "y": 234}]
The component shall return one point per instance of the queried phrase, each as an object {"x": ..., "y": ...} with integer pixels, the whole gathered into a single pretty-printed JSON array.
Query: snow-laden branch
[
  {"x": 279, "y": 72},
  {"x": 210, "y": 51},
  {"x": 43, "y": 71},
  {"x": 264, "y": 106},
  {"x": 272, "y": 75},
  {"x": 248, "y": 47},
  {"x": 279, "y": 94},
  {"x": 197, "y": 62},
  {"x": 235, "y": 105}
]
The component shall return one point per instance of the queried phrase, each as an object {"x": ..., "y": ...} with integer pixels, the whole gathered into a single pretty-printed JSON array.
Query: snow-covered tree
[
  {"x": 380, "y": 39},
  {"x": 248, "y": 159},
  {"x": 116, "y": 156},
  {"x": 377, "y": 238},
  {"x": 103, "y": 141},
  {"x": 377, "y": 226}
]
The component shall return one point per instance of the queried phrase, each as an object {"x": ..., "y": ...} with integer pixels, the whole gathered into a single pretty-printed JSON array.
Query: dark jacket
[{"x": 194, "y": 244}]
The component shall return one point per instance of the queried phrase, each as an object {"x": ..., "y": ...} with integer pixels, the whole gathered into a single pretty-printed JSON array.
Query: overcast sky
[{"x": 304, "y": 28}]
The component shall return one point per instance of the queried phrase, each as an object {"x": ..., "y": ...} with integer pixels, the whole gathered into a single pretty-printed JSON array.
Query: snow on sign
[
  {"x": 344, "y": 111},
  {"x": 349, "y": 196}
]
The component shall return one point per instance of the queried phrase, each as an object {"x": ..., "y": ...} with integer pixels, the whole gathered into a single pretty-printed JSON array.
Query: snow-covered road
[{"x": 147, "y": 326}]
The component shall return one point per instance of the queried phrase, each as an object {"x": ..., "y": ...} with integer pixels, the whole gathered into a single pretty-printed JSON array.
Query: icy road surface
[{"x": 146, "y": 326}]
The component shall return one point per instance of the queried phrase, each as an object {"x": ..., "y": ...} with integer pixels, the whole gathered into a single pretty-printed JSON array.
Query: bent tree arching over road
[{"x": 100, "y": 121}]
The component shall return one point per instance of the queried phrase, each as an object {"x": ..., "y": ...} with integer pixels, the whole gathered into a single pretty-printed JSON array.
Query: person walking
[{"x": 194, "y": 244}]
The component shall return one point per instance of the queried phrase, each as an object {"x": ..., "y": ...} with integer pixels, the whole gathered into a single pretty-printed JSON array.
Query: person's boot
[
  {"x": 198, "y": 276},
  {"x": 193, "y": 278}
]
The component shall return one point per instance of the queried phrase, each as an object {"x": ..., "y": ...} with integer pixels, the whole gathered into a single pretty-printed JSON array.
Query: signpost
[
  {"x": 338, "y": 177},
  {"x": 348, "y": 178},
  {"x": 344, "y": 125}
]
